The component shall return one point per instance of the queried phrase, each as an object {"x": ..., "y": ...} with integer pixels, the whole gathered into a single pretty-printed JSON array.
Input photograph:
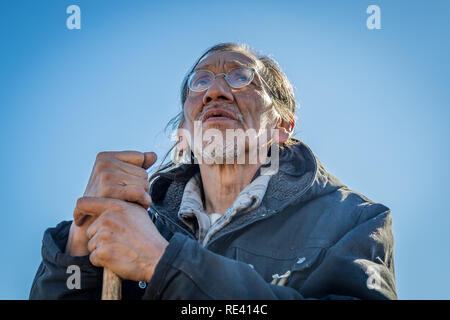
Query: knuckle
[
  {"x": 108, "y": 220},
  {"x": 135, "y": 193},
  {"x": 102, "y": 254},
  {"x": 102, "y": 164},
  {"x": 80, "y": 202},
  {"x": 91, "y": 246},
  {"x": 90, "y": 231},
  {"x": 102, "y": 155},
  {"x": 95, "y": 258},
  {"x": 104, "y": 235},
  {"x": 147, "y": 186},
  {"x": 145, "y": 198},
  {"x": 140, "y": 196},
  {"x": 106, "y": 176},
  {"x": 107, "y": 191},
  {"x": 105, "y": 219},
  {"x": 142, "y": 173}
]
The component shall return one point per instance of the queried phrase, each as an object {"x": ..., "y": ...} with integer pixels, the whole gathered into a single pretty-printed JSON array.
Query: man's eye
[{"x": 201, "y": 82}]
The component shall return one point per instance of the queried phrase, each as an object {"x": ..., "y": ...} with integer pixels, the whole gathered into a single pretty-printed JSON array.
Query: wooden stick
[{"x": 112, "y": 286}]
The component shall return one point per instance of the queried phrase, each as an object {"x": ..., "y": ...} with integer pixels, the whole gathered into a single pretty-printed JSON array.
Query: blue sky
[{"x": 373, "y": 107}]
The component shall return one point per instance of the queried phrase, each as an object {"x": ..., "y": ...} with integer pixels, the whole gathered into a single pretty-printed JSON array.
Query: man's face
[{"x": 245, "y": 108}]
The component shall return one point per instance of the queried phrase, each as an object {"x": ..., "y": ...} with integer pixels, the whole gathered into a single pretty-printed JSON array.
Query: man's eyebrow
[{"x": 228, "y": 63}]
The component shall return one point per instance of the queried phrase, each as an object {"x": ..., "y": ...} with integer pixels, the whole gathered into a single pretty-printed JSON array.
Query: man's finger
[
  {"x": 93, "y": 206},
  {"x": 149, "y": 159},
  {"x": 120, "y": 178},
  {"x": 132, "y": 157},
  {"x": 130, "y": 193},
  {"x": 114, "y": 163}
]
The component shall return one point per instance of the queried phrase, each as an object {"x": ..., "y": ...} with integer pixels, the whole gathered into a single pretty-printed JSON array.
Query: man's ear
[
  {"x": 285, "y": 129},
  {"x": 183, "y": 142}
]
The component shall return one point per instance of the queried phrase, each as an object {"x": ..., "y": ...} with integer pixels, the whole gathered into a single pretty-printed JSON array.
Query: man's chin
[
  {"x": 221, "y": 125},
  {"x": 219, "y": 154}
]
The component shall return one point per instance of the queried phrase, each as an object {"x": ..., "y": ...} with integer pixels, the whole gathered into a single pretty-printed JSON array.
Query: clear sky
[{"x": 374, "y": 107}]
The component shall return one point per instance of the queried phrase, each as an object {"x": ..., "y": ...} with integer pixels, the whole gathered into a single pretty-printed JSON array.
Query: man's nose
[{"x": 219, "y": 91}]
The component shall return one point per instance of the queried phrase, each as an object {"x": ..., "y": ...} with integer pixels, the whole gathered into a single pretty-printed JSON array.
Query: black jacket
[{"x": 312, "y": 237}]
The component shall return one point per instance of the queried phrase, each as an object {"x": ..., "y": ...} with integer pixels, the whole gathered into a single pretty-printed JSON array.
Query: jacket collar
[{"x": 300, "y": 178}]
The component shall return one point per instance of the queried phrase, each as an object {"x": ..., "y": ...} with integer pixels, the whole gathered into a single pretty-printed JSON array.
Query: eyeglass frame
[{"x": 225, "y": 77}]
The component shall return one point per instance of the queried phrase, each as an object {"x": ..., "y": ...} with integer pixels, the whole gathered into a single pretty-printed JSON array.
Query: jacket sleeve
[
  {"x": 358, "y": 266},
  {"x": 61, "y": 276}
]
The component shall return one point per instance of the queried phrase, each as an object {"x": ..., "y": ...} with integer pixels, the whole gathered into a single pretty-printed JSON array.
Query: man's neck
[{"x": 223, "y": 183}]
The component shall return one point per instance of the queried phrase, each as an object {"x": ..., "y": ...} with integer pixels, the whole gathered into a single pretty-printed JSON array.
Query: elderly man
[{"x": 212, "y": 227}]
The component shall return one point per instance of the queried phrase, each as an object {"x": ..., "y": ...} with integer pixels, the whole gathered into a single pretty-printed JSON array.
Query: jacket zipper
[{"x": 184, "y": 231}]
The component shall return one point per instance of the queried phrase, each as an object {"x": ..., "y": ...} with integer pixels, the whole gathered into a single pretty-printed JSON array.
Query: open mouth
[{"x": 217, "y": 114}]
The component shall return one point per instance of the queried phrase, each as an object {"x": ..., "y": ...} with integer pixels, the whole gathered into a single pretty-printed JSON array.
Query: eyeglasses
[{"x": 201, "y": 80}]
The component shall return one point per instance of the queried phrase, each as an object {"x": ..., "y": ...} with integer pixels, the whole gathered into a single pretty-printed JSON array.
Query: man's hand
[
  {"x": 122, "y": 237},
  {"x": 118, "y": 175}
]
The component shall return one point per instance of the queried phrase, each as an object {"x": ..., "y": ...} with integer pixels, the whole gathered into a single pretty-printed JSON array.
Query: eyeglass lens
[{"x": 201, "y": 80}]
